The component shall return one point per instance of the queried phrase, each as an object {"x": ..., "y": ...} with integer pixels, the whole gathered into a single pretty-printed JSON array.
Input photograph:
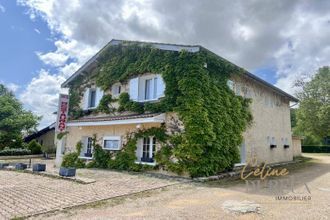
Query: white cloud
[
  {"x": 53, "y": 58},
  {"x": 292, "y": 36},
  {"x": 12, "y": 87},
  {"x": 41, "y": 95},
  {"x": 2, "y": 9}
]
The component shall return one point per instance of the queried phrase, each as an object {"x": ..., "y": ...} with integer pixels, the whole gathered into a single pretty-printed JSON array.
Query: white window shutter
[
  {"x": 99, "y": 95},
  {"x": 86, "y": 99},
  {"x": 134, "y": 89},
  {"x": 160, "y": 86}
]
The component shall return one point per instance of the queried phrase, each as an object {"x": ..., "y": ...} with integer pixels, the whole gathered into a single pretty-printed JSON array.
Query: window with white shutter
[
  {"x": 160, "y": 87},
  {"x": 230, "y": 84},
  {"x": 92, "y": 98},
  {"x": 86, "y": 99},
  {"x": 134, "y": 88},
  {"x": 147, "y": 88},
  {"x": 99, "y": 95},
  {"x": 116, "y": 90}
]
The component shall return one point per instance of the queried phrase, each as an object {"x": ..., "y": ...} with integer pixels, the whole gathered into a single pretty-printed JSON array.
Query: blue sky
[
  {"x": 44, "y": 41},
  {"x": 20, "y": 39}
]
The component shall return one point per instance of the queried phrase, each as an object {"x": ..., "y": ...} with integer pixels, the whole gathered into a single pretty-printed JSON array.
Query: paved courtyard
[{"x": 24, "y": 194}]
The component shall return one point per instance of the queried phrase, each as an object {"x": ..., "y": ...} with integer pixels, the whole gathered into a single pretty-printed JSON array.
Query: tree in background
[
  {"x": 313, "y": 114},
  {"x": 14, "y": 120}
]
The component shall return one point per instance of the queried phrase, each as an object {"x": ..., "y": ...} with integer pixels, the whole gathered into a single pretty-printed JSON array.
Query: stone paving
[{"x": 24, "y": 194}]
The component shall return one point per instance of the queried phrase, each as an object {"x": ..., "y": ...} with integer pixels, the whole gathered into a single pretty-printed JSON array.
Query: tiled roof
[{"x": 114, "y": 118}]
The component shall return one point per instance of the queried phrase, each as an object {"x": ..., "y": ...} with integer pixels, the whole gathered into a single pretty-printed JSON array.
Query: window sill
[
  {"x": 148, "y": 100},
  {"x": 146, "y": 163},
  {"x": 86, "y": 158},
  {"x": 239, "y": 164},
  {"x": 111, "y": 149}
]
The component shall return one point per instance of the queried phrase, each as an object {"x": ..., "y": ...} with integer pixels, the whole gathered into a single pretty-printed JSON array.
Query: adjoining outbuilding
[{"x": 45, "y": 137}]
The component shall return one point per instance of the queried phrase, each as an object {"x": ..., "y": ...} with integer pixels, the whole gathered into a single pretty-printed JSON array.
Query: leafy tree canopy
[
  {"x": 14, "y": 120},
  {"x": 313, "y": 114}
]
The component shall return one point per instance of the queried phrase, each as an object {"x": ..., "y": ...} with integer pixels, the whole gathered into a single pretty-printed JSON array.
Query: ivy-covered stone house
[{"x": 175, "y": 107}]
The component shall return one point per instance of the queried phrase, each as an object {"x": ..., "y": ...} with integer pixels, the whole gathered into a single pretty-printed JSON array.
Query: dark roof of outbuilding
[{"x": 39, "y": 133}]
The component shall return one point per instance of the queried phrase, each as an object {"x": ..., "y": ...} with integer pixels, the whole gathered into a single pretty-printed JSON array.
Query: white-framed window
[
  {"x": 148, "y": 149},
  {"x": 111, "y": 142},
  {"x": 92, "y": 97},
  {"x": 230, "y": 84},
  {"x": 146, "y": 88},
  {"x": 87, "y": 148},
  {"x": 116, "y": 90}
]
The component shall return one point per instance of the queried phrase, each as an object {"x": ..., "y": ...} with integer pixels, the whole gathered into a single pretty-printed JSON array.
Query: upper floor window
[
  {"x": 230, "y": 84},
  {"x": 146, "y": 88},
  {"x": 92, "y": 97},
  {"x": 116, "y": 90}
]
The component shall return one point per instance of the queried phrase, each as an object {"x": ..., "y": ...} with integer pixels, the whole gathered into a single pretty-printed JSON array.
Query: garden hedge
[
  {"x": 14, "y": 152},
  {"x": 316, "y": 149}
]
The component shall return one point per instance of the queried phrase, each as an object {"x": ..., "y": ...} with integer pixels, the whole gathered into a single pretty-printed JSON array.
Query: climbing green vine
[
  {"x": 105, "y": 104},
  {"x": 214, "y": 117}
]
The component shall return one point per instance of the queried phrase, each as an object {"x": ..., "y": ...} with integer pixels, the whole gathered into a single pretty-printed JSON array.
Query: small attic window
[
  {"x": 230, "y": 84},
  {"x": 116, "y": 90}
]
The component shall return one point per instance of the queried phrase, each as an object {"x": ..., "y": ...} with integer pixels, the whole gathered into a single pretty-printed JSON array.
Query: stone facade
[{"x": 271, "y": 123}]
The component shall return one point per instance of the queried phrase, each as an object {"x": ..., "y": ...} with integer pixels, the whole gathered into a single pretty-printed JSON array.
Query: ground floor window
[
  {"x": 111, "y": 143},
  {"x": 148, "y": 149},
  {"x": 88, "y": 142}
]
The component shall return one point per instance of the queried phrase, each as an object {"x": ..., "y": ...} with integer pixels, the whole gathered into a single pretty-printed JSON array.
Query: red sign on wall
[{"x": 62, "y": 113}]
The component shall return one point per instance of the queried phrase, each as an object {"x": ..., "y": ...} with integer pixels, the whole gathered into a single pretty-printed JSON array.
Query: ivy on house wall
[
  {"x": 213, "y": 116},
  {"x": 105, "y": 104}
]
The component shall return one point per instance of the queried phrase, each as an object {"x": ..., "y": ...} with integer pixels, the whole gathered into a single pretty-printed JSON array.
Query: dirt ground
[{"x": 223, "y": 200}]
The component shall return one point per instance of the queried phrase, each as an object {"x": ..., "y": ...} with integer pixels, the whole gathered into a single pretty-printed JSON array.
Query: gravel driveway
[{"x": 219, "y": 200}]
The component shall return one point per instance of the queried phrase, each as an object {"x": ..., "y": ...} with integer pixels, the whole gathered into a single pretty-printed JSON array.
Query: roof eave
[
  {"x": 162, "y": 46},
  {"x": 256, "y": 78}
]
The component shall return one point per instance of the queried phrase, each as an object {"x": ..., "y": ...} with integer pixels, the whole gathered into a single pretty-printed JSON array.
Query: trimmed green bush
[
  {"x": 14, "y": 152},
  {"x": 315, "y": 149},
  {"x": 34, "y": 147},
  {"x": 72, "y": 159}
]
